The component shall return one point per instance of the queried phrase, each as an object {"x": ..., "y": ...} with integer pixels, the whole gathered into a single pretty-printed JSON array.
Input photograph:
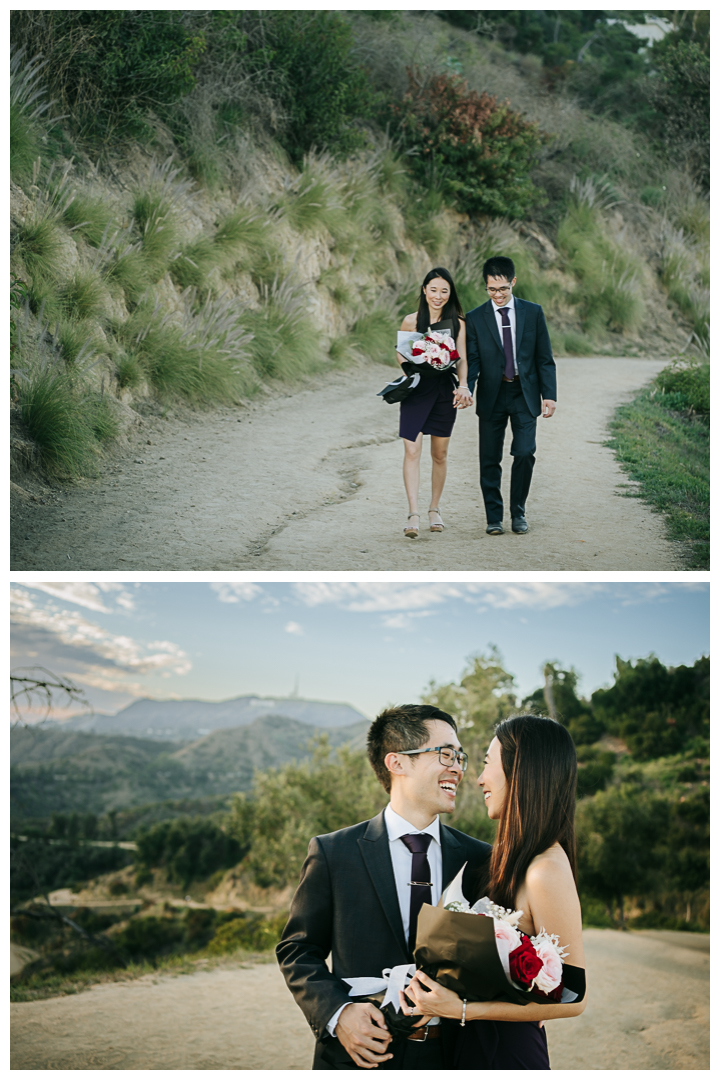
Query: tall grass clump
[
  {"x": 245, "y": 232},
  {"x": 609, "y": 290},
  {"x": 684, "y": 260},
  {"x": 285, "y": 344},
  {"x": 57, "y": 422},
  {"x": 38, "y": 245},
  {"x": 89, "y": 217},
  {"x": 374, "y": 333},
  {"x": 201, "y": 356},
  {"x": 27, "y": 105},
  {"x": 313, "y": 201},
  {"x": 153, "y": 209},
  {"x": 124, "y": 266},
  {"x": 83, "y": 295},
  {"x": 193, "y": 263}
]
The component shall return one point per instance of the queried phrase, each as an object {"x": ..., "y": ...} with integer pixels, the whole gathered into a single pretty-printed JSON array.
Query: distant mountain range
[
  {"x": 190, "y": 719},
  {"x": 57, "y": 769}
]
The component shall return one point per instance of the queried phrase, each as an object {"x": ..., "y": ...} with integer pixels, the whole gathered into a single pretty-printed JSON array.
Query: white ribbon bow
[{"x": 393, "y": 981}]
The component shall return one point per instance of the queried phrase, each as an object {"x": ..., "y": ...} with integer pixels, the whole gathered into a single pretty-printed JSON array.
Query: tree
[
  {"x": 679, "y": 92},
  {"x": 618, "y": 831}
]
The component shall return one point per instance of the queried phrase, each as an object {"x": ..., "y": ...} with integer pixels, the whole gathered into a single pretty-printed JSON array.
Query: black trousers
[
  {"x": 433, "y": 1054},
  {"x": 510, "y": 405}
]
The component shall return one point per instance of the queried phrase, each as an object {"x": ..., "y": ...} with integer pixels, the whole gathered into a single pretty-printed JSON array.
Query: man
[
  {"x": 361, "y": 889},
  {"x": 510, "y": 356}
]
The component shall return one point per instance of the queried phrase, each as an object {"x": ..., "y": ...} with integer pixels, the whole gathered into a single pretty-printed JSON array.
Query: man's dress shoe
[
  {"x": 519, "y": 525},
  {"x": 494, "y": 528}
]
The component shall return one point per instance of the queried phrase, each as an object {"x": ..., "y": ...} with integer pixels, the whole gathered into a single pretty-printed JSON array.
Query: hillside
[
  {"x": 199, "y": 250},
  {"x": 83, "y": 772},
  {"x": 189, "y": 719}
]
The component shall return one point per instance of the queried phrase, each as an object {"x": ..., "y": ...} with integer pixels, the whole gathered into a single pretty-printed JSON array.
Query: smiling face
[
  {"x": 437, "y": 294},
  {"x": 492, "y": 781},
  {"x": 422, "y": 786}
]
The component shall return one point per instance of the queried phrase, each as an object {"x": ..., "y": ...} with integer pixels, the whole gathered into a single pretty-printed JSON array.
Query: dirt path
[
  {"x": 312, "y": 481},
  {"x": 648, "y": 1009}
]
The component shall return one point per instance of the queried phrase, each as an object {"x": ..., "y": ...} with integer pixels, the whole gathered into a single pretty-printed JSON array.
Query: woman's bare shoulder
[
  {"x": 410, "y": 321},
  {"x": 549, "y": 868}
]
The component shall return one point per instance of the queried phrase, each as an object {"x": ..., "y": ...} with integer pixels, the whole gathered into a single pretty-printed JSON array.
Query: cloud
[
  {"x": 236, "y": 592},
  {"x": 416, "y": 598},
  {"x": 403, "y": 620},
  {"x": 110, "y": 679},
  {"x": 80, "y": 635},
  {"x": 294, "y": 628}
]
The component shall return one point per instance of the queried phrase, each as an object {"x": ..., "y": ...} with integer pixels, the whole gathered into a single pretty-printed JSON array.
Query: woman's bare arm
[{"x": 408, "y": 323}]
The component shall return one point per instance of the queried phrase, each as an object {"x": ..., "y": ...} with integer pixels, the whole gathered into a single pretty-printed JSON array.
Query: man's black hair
[
  {"x": 499, "y": 266},
  {"x": 401, "y": 727}
]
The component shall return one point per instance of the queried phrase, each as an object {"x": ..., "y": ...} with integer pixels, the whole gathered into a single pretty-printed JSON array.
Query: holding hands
[
  {"x": 462, "y": 397},
  {"x": 428, "y": 997}
]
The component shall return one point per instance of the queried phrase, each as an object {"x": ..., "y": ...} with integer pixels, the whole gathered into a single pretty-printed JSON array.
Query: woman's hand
[
  {"x": 430, "y": 998},
  {"x": 462, "y": 397}
]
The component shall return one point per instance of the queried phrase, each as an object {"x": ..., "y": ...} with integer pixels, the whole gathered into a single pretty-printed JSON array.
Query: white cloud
[
  {"x": 403, "y": 620},
  {"x": 113, "y": 680},
  {"x": 85, "y": 594},
  {"x": 75, "y": 631},
  {"x": 235, "y": 592},
  {"x": 294, "y": 628},
  {"x": 376, "y": 596}
]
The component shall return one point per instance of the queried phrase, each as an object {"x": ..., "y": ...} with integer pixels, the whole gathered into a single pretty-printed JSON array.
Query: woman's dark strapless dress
[
  {"x": 430, "y": 406},
  {"x": 501, "y": 1044}
]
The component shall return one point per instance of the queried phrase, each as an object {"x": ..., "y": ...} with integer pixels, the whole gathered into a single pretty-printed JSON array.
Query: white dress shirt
[
  {"x": 401, "y": 858},
  {"x": 510, "y": 305}
]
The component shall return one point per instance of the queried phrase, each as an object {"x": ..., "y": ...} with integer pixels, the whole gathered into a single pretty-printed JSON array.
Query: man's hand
[
  {"x": 548, "y": 408},
  {"x": 362, "y": 1030}
]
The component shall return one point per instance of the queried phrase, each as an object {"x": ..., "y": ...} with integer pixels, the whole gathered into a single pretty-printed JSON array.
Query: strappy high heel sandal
[
  {"x": 410, "y": 531},
  {"x": 436, "y": 526}
]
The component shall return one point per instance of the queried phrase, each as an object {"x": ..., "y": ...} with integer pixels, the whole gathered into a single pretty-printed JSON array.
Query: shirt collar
[
  {"x": 509, "y": 304},
  {"x": 397, "y": 826}
]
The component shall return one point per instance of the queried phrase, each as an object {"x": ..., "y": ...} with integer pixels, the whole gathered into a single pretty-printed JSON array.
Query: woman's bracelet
[
  {"x": 462, "y": 1022},
  {"x": 462, "y": 386}
]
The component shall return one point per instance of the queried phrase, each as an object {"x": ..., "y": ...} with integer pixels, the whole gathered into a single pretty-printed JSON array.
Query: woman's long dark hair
[
  {"x": 540, "y": 765},
  {"x": 452, "y": 309}
]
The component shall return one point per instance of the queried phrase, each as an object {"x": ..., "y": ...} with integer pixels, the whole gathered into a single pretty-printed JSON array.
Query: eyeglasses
[
  {"x": 502, "y": 289},
  {"x": 447, "y": 755}
]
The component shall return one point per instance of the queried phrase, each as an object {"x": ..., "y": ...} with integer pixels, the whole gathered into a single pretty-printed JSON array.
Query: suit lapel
[
  {"x": 375, "y": 851},
  {"x": 453, "y": 855},
  {"x": 489, "y": 313},
  {"x": 519, "y": 325}
]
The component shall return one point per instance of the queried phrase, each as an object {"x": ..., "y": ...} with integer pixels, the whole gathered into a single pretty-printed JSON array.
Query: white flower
[{"x": 552, "y": 954}]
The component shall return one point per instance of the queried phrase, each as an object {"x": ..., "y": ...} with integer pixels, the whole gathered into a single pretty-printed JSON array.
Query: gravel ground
[
  {"x": 648, "y": 1008},
  {"x": 312, "y": 481}
]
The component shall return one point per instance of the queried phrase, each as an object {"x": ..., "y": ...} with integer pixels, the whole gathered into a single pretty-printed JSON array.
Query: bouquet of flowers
[
  {"x": 479, "y": 953},
  {"x": 436, "y": 348}
]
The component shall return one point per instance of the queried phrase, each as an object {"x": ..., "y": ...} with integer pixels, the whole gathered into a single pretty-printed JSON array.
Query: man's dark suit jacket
[
  {"x": 486, "y": 357},
  {"x": 346, "y": 904}
]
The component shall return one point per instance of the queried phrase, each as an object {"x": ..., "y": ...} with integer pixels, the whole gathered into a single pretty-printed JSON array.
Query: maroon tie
[
  {"x": 420, "y": 891},
  {"x": 507, "y": 343}
]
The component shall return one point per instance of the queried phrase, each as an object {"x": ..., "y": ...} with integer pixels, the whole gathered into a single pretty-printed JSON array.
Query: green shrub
[
  {"x": 575, "y": 344},
  {"x": 311, "y": 203},
  {"x": 149, "y": 936},
  {"x": 690, "y": 381},
  {"x": 102, "y": 419},
  {"x": 193, "y": 263},
  {"x": 128, "y": 270},
  {"x": 189, "y": 848},
  {"x": 152, "y": 213},
  {"x": 75, "y": 339},
  {"x": 249, "y": 931},
  {"x": 478, "y": 152}
]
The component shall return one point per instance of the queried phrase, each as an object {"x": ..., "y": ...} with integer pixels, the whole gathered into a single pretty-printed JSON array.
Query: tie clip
[{"x": 429, "y": 883}]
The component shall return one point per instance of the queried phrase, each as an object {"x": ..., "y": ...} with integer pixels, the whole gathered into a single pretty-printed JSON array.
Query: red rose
[{"x": 524, "y": 963}]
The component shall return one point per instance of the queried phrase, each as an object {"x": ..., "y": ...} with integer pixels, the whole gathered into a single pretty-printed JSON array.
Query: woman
[
  {"x": 528, "y": 784},
  {"x": 430, "y": 408}
]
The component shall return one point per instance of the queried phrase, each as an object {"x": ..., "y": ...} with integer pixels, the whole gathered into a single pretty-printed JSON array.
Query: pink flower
[
  {"x": 507, "y": 933},
  {"x": 551, "y": 974}
]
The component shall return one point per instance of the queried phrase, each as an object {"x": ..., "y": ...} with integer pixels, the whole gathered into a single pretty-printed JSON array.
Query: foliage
[
  {"x": 88, "y": 216},
  {"x": 291, "y": 804},
  {"x": 58, "y": 421},
  {"x": 27, "y": 105},
  {"x": 689, "y": 380},
  {"x": 609, "y": 275},
  {"x": 477, "y": 151},
  {"x": 38, "y": 245},
  {"x": 189, "y": 848},
  {"x": 285, "y": 343},
  {"x": 109, "y": 68},
  {"x": 249, "y": 931},
  {"x": 668, "y": 454},
  {"x": 654, "y": 709},
  {"x": 58, "y": 865},
  {"x": 680, "y": 96}
]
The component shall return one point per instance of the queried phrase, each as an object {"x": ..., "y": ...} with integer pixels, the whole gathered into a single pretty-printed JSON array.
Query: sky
[{"x": 367, "y": 644}]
